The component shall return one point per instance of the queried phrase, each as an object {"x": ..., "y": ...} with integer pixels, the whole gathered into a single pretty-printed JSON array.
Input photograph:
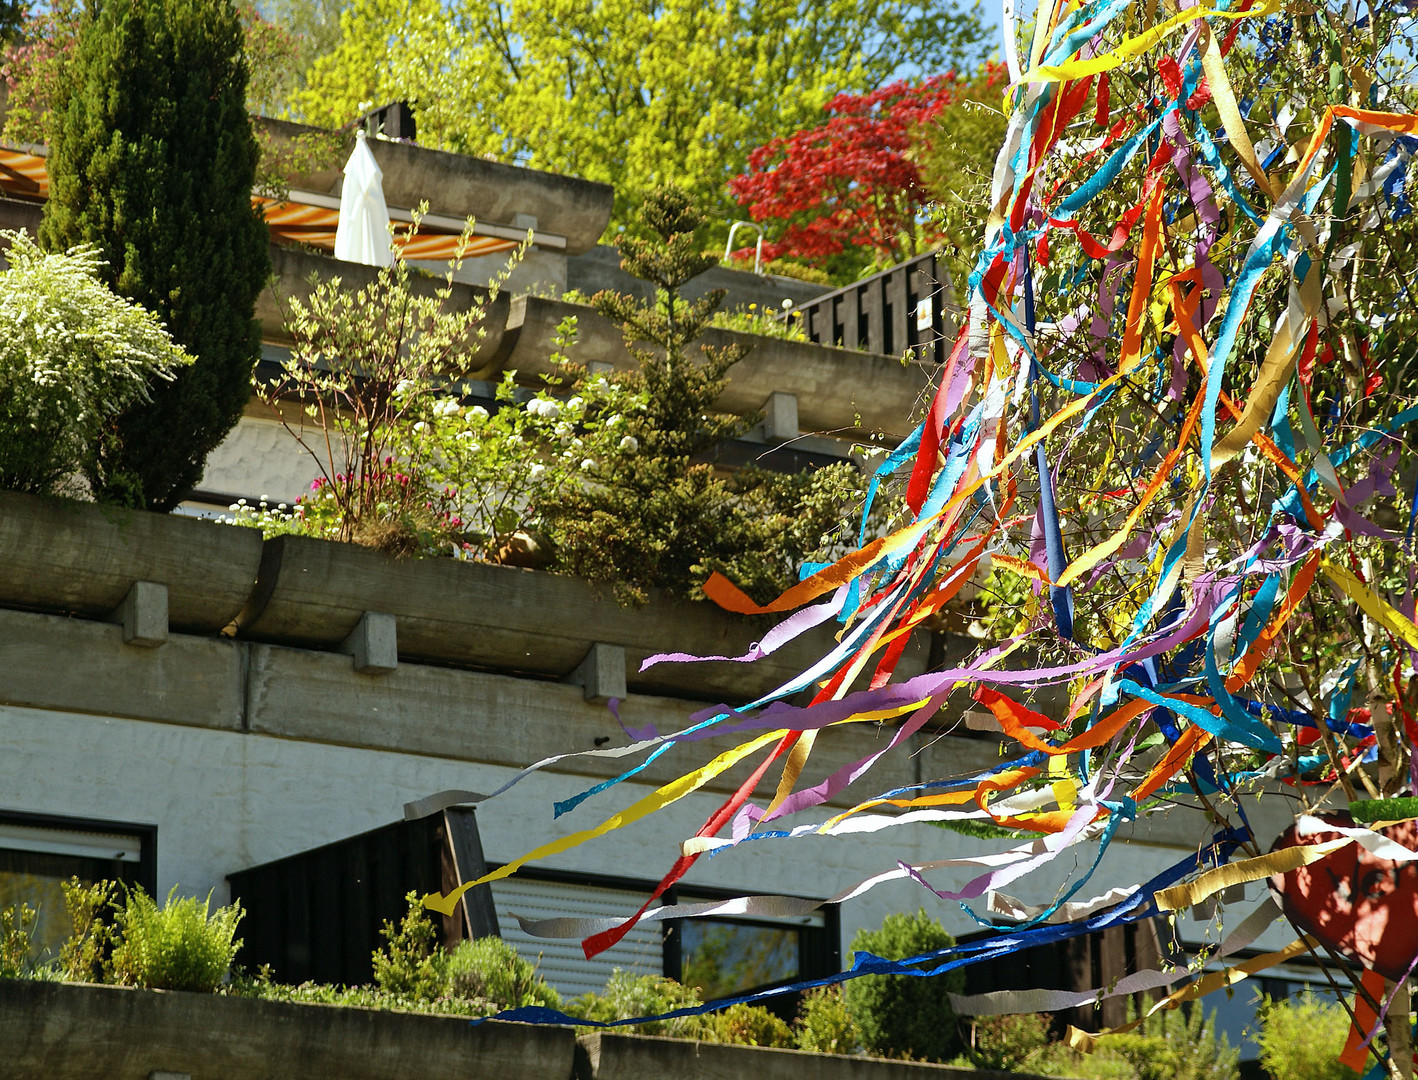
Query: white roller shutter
[{"x": 562, "y": 963}]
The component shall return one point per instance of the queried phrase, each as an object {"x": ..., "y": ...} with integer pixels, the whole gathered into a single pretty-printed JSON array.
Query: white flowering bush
[
  {"x": 72, "y": 355},
  {"x": 366, "y": 366},
  {"x": 493, "y": 471}
]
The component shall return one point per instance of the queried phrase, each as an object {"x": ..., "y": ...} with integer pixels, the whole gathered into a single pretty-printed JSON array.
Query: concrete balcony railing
[{"x": 59, "y": 1031}]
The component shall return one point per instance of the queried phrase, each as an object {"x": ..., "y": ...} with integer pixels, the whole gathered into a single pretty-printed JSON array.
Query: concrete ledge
[
  {"x": 76, "y": 558},
  {"x": 47, "y": 662},
  {"x": 459, "y": 185},
  {"x": 645, "y": 1057},
  {"x": 838, "y": 390},
  {"x": 312, "y": 593},
  {"x": 56, "y": 1031},
  {"x": 292, "y": 271}
]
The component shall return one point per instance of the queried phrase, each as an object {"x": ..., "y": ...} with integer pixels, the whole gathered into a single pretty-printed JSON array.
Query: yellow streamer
[
  {"x": 661, "y": 797},
  {"x": 1373, "y": 606},
  {"x": 1180, "y": 897},
  {"x": 1087, "y": 1042},
  {"x": 1135, "y": 46}
]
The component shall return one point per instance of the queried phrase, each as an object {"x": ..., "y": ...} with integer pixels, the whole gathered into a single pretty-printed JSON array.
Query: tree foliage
[
  {"x": 622, "y": 92},
  {"x": 849, "y": 191},
  {"x": 152, "y": 160},
  {"x": 72, "y": 355},
  {"x": 664, "y": 517}
]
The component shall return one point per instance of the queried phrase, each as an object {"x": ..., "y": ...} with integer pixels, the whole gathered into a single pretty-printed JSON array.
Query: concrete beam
[
  {"x": 646, "y": 1057},
  {"x": 374, "y": 644},
  {"x": 602, "y": 674},
  {"x": 51, "y": 662},
  {"x": 838, "y": 390},
  {"x": 76, "y": 558},
  {"x": 780, "y": 417},
  {"x": 143, "y": 615}
]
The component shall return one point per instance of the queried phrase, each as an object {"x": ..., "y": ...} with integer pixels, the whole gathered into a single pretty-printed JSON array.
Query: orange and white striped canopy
[{"x": 23, "y": 175}]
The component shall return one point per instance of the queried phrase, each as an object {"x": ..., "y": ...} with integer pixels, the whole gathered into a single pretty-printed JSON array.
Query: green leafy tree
[
  {"x": 627, "y": 93},
  {"x": 72, "y": 354},
  {"x": 660, "y": 516},
  {"x": 901, "y": 1015},
  {"x": 152, "y": 160}
]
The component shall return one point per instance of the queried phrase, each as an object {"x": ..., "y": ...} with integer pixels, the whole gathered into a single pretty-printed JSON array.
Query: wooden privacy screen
[{"x": 317, "y": 915}]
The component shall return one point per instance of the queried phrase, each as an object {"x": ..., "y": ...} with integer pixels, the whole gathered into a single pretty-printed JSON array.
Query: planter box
[
  {"x": 838, "y": 390},
  {"x": 59, "y": 1031},
  {"x": 67, "y": 1031},
  {"x": 73, "y": 558},
  {"x": 643, "y": 1057},
  {"x": 312, "y": 593}
]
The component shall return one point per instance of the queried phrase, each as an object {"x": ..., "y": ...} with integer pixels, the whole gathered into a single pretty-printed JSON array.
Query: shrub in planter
[
  {"x": 750, "y": 1025},
  {"x": 1300, "y": 1039},
  {"x": 901, "y": 1015},
  {"x": 490, "y": 969},
  {"x": 825, "y": 1025},
  {"x": 626, "y": 995},
  {"x": 183, "y": 945},
  {"x": 411, "y": 964},
  {"x": 1009, "y": 1042}
]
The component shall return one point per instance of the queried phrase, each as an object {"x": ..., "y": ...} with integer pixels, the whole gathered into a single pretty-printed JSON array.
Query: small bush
[
  {"x": 490, "y": 969},
  {"x": 750, "y": 1025},
  {"x": 411, "y": 964},
  {"x": 16, "y": 941},
  {"x": 83, "y": 957},
  {"x": 181, "y": 946},
  {"x": 902, "y": 1015},
  {"x": 628, "y": 995},
  {"x": 1008, "y": 1043},
  {"x": 825, "y": 1025},
  {"x": 1301, "y": 1038}
]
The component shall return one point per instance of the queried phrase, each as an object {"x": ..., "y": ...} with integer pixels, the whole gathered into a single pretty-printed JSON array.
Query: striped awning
[
  {"x": 23, "y": 174},
  {"x": 294, "y": 221},
  {"x": 302, "y": 218}
]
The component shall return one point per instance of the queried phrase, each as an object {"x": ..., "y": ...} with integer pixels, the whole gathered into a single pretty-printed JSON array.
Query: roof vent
[{"x": 393, "y": 121}]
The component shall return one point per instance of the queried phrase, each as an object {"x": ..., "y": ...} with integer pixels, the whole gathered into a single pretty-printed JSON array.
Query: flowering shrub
[
  {"x": 365, "y": 367},
  {"x": 72, "y": 355}
]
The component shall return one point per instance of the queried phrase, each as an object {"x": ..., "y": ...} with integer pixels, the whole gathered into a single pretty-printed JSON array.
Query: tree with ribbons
[{"x": 1179, "y": 422}]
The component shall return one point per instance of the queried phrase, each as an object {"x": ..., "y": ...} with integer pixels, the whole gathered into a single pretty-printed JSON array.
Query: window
[
  {"x": 38, "y": 852},
  {"x": 720, "y": 956}
]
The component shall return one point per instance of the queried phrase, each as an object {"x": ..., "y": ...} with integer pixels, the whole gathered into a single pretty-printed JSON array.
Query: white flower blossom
[
  {"x": 588, "y": 465},
  {"x": 535, "y": 472},
  {"x": 629, "y": 445},
  {"x": 477, "y": 412}
]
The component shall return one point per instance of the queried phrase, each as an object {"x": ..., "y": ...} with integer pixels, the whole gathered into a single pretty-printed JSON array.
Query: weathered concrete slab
[
  {"x": 458, "y": 186},
  {"x": 54, "y": 1031},
  {"x": 80, "y": 559},
  {"x": 293, "y": 269},
  {"x": 49, "y": 662},
  {"x": 311, "y": 593},
  {"x": 838, "y": 390},
  {"x": 644, "y": 1057},
  {"x": 503, "y": 720}
]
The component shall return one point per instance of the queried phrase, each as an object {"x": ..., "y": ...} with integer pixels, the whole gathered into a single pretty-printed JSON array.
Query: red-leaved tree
[{"x": 852, "y": 184}]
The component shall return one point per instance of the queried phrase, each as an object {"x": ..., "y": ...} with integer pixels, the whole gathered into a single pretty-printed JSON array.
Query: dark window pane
[
  {"x": 33, "y": 877},
  {"x": 726, "y": 958}
]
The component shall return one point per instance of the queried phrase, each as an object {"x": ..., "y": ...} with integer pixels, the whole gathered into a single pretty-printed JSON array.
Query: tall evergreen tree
[{"x": 152, "y": 160}]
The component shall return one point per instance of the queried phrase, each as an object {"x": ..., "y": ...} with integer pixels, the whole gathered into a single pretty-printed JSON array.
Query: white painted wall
[
  {"x": 224, "y": 801},
  {"x": 260, "y": 454}
]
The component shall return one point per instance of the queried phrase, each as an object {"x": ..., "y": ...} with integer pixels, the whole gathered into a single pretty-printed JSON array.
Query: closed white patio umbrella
[{"x": 363, "y": 233}]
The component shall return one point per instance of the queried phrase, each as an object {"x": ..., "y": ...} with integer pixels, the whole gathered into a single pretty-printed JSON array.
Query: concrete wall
[
  {"x": 599, "y": 269},
  {"x": 54, "y": 1031},
  {"x": 459, "y": 186}
]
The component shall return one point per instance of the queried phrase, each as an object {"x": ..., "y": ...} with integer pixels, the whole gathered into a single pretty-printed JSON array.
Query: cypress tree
[{"x": 152, "y": 160}]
